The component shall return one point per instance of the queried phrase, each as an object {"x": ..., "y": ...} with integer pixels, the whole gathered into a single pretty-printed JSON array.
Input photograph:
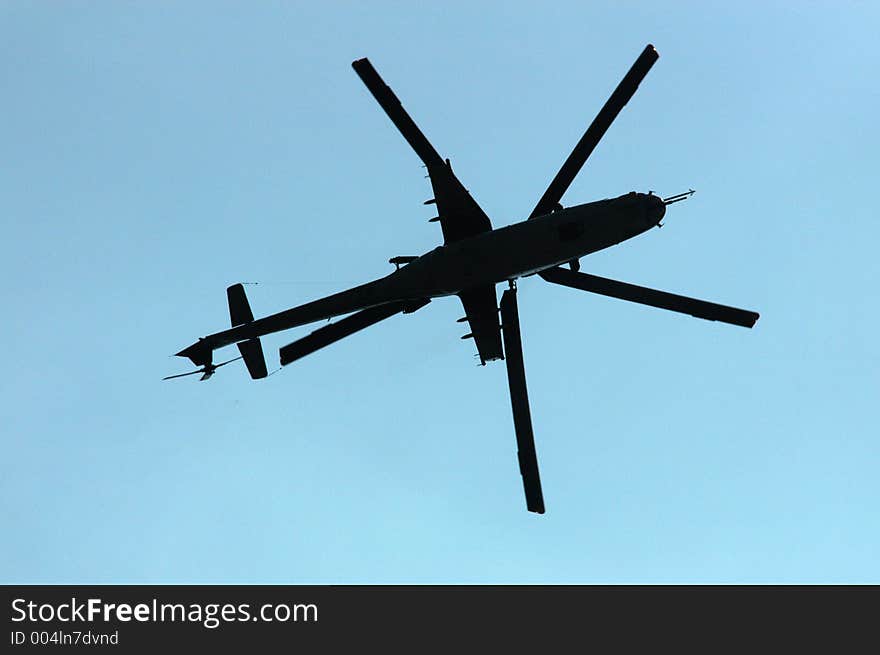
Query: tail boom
[{"x": 365, "y": 296}]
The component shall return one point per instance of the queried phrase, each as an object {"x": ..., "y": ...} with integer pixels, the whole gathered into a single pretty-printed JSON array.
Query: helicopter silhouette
[{"x": 472, "y": 260}]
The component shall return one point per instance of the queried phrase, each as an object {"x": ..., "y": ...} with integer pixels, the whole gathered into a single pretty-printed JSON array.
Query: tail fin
[
  {"x": 239, "y": 314},
  {"x": 198, "y": 353}
]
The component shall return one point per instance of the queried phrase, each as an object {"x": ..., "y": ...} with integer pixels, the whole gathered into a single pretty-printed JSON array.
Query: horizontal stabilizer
[
  {"x": 345, "y": 327},
  {"x": 239, "y": 308},
  {"x": 252, "y": 352}
]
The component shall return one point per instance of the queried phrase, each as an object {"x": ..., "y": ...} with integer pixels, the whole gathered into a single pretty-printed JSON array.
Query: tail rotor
[{"x": 207, "y": 370}]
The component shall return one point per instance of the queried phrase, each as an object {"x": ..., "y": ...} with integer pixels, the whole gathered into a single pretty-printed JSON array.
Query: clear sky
[{"x": 154, "y": 153}]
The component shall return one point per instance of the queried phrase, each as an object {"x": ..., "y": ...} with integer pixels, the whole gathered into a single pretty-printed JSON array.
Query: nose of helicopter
[{"x": 656, "y": 209}]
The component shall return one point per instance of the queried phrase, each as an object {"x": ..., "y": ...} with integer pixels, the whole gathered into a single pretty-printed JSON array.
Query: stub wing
[{"x": 481, "y": 310}]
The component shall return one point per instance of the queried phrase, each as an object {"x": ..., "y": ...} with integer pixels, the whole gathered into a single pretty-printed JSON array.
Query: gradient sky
[{"x": 155, "y": 153}]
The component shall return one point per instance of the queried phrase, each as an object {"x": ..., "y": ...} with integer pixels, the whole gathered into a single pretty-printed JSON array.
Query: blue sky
[{"x": 155, "y": 153}]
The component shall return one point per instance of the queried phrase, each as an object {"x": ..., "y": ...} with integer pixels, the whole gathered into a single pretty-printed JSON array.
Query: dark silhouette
[{"x": 472, "y": 260}]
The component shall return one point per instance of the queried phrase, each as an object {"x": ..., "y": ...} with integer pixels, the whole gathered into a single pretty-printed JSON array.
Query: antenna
[{"x": 678, "y": 197}]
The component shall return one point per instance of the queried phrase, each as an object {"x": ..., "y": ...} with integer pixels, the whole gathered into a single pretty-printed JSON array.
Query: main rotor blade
[
  {"x": 228, "y": 361},
  {"x": 389, "y": 102},
  {"x": 459, "y": 214},
  {"x": 698, "y": 308},
  {"x": 519, "y": 401},
  {"x": 572, "y": 166},
  {"x": 345, "y": 327}
]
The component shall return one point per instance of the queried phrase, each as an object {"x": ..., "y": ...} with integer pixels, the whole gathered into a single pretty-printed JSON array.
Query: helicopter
[{"x": 475, "y": 257}]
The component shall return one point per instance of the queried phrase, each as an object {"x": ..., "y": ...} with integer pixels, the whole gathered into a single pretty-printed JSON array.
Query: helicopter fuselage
[
  {"x": 526, "y": 247},
  {"x": 495, "y": 256}
]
